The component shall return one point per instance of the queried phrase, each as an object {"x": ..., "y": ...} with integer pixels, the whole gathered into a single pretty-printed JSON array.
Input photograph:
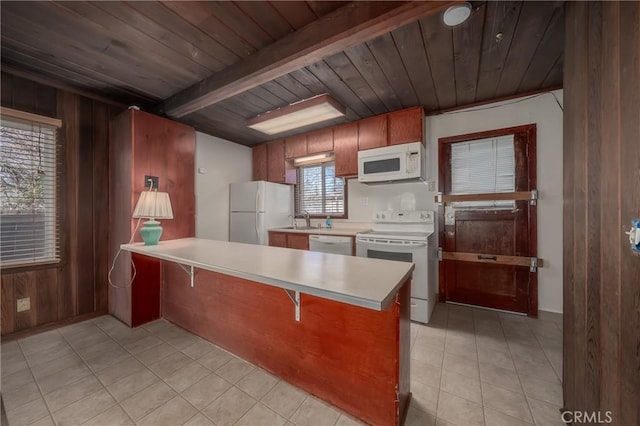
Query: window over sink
[{"x": 319, "y": 191}]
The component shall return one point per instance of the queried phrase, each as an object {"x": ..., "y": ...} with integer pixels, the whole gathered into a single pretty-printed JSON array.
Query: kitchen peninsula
[{"x": 335, "y": 326}]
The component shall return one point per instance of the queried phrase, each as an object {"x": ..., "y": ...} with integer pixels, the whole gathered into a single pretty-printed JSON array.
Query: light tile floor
[{"x": 468, "y": 367}]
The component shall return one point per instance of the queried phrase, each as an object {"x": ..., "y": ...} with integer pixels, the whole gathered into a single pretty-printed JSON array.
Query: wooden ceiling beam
[{"x": 353, "y": 24}]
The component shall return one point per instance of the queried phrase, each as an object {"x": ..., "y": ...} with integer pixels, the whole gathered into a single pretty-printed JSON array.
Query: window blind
[
  {"x": 30, "y": 172},
  {"x": 483, "y": 166},
  {"x": 318, "y": 191}
]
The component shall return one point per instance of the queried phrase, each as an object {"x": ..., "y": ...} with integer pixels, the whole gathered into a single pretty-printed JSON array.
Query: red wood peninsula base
[{"x": 352, "y": 357}]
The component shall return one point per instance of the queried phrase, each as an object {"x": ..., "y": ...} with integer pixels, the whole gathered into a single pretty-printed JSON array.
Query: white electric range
[{"x": 407, "y": 236}]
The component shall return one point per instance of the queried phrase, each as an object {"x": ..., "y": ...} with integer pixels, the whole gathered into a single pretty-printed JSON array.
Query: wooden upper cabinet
[
  {"x": 275, "y": 161},
  {"x": 260, "y": 162},
  {"x": 295, "y": 146},
  {"x": 372, "y": 132},
  {"x": 320, "y": 141},
  {"x": 345, "y": 147},
  {"x": 406, "y": 126}
]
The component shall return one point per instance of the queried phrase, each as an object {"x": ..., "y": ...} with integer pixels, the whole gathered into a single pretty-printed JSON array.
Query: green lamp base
[{"x": 151, "y": 232}]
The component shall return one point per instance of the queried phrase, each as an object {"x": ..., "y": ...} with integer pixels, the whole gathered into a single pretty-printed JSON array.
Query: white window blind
[
  {"x": 483, "y": 166},
  {"x": 318, "y": 191},
  {"x": 29, "y": 183}
]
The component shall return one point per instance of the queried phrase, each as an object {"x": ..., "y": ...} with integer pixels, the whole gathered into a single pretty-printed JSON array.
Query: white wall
[
  {"x": 218, "y": 163},
  {"x": 545, "y": 112}
]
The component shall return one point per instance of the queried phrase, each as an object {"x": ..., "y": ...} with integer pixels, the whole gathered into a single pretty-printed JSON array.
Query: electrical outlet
[
  {"x": 24, "y": 304},
  {"x": 149, "y": 180},
  {"x": 431, "y": 186},
  {"x": 364, "y": 201}
]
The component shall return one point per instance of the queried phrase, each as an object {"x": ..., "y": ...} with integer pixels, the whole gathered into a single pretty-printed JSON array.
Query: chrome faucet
[{"x": 305, "y": 214}]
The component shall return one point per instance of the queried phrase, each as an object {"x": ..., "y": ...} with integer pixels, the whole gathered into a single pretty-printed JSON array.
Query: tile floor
[{"x": 469, "y": 367}]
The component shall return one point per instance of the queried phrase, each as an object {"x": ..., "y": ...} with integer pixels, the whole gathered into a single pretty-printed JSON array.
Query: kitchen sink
[{"x": 302, "y": 228}]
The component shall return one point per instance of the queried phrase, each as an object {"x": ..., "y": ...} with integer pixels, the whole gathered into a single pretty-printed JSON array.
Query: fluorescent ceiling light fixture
[
  {"x": 457, "y": 14},
  {"x": 310, "y": 111},
  {"x": 313, "y": 159}
]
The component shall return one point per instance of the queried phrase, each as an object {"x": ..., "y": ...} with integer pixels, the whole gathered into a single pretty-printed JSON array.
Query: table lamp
[{"x": 152, "y": 205}]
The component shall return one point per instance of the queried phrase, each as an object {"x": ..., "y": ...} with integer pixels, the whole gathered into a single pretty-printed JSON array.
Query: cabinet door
[
  {"x": 372, "y": 132},
  {"x": 298, "y": 241},
  {"x": 345, "y": 147},
  {"x": 277, "y": 239},
  {"x": 406, "y": 126},
  {"x": 320, "y": 141},
  {"x": 295, "y": 146},
  {"x": 275, "y": 161},
  {"x": 260, "y": 162}
]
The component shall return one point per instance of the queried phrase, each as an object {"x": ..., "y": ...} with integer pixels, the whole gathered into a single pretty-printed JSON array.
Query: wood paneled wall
[
  {"x": 78, "y": 285},
  {"x": 601, "y": 195}
]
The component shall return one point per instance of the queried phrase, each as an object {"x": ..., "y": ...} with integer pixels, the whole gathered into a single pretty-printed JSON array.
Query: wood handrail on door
[{"x": 493, "y": 258}]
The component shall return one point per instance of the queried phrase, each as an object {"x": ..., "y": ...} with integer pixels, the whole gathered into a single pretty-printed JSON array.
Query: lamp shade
[{"x": 153, "y": 205}]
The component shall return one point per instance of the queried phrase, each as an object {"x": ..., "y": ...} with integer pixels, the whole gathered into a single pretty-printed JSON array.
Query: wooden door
[{"x": 489, "y": 238}]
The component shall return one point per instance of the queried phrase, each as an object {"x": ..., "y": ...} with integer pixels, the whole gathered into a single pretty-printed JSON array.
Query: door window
[{"x": 483, "y": 166}]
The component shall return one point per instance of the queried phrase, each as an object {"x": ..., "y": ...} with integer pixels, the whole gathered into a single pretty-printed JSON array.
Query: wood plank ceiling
[{"x": 145, "y": 52}]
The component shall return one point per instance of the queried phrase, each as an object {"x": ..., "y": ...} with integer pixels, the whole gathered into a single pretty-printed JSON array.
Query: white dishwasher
[{"x": 331, "y": 244}]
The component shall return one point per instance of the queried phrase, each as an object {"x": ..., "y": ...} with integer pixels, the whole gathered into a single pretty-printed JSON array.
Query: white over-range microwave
[{"x": 404, "y": 162}]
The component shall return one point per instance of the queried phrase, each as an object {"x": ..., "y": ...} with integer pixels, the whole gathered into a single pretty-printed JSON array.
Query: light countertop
[
  {"x": 349, "y": 229},
  {"x": 351, "y": 232},
  {"x": 359, "y": 281}
]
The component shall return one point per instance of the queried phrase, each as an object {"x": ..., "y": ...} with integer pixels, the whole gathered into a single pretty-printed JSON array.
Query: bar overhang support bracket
[
  {"x": 188, "y": 270},
  {"x": 295, "y": 298}
]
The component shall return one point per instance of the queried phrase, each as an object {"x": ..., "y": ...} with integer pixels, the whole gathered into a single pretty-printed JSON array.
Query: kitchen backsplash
[{"x": 365, "y": 200}]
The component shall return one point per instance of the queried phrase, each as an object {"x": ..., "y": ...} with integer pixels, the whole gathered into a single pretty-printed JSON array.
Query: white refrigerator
[{"x": 257, "y": 206}]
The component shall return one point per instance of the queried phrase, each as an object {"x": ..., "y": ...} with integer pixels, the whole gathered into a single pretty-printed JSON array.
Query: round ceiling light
[{"x": 457, "y": 14}]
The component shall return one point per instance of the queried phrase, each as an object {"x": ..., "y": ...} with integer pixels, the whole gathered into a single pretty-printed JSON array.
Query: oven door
[{"x": 403, "y": 251}]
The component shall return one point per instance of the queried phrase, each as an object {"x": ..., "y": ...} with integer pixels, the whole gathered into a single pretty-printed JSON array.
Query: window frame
[
  {"x": 57, "y": 257},
  {"x": 297, "y": 193}
]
